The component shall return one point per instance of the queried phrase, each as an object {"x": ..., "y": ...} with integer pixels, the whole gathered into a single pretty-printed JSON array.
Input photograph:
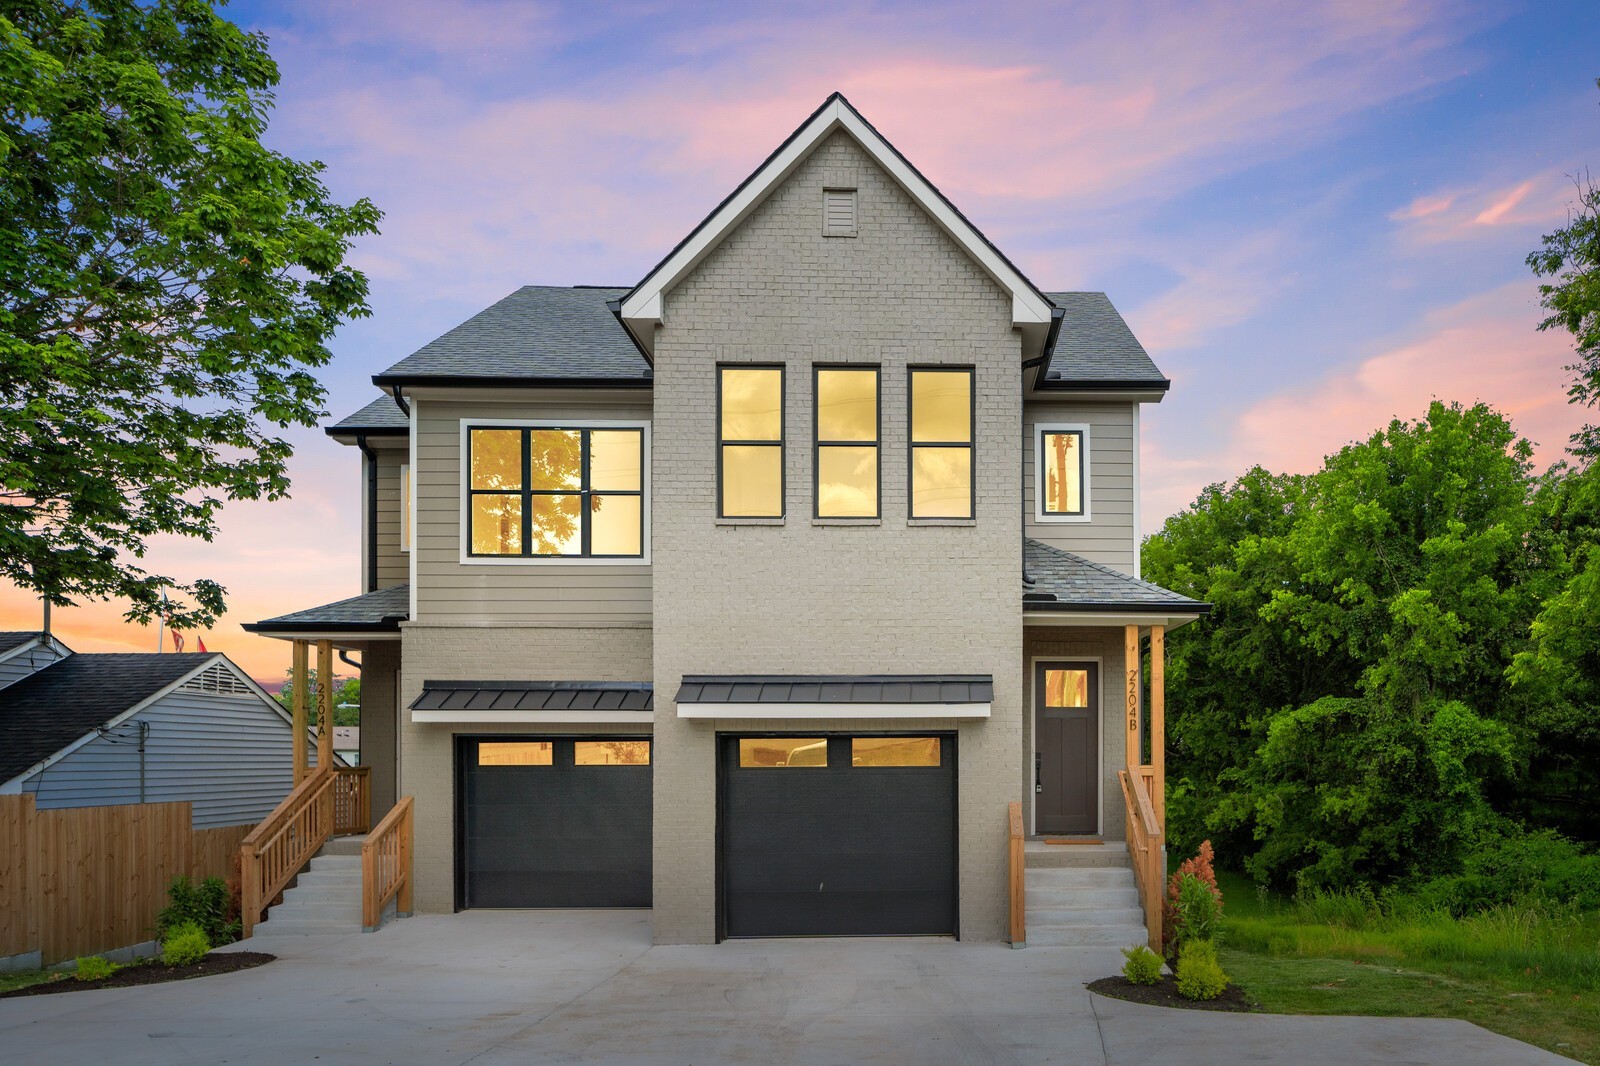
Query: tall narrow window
[
  {"x": 941, "y": 443},
  {"x": 847, "y": 442},
  {"x": 1063, "y": 463},
  {"x": 555, "y": 492},
  {"x": 750, "y": 442}
]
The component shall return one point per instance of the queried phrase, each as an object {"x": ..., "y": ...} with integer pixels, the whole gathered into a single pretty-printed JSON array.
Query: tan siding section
[
  {"x": 452, "y": 592},
  {"x": 1108, "y": 537},
  {"x": 394, "y": 568}
]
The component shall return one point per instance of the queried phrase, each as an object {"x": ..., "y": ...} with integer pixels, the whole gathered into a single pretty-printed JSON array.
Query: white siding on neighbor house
[
  {"x": 534, "y": 592},
  {"x": 394, "y": 567},
  {"x": 1108, "y": 537},
  {"x": 229, "y": 756},
  {"x": 26, "y": 662}
]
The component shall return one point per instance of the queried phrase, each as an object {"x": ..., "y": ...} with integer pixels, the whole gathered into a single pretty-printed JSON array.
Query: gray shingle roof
[
  {"x": 1063, "y": 581},
  {"x": 11, "y": 640},
  {"x": 1096, "y": 347},
  {"x": 837, "y": 688},
  {"x": 540, "y": 333},
  {"x": 46, "y": 711},
  {"x": 535, "y": 696},
  {"x": 371, "y": 611},
  {"x": 381, "y": 416}
]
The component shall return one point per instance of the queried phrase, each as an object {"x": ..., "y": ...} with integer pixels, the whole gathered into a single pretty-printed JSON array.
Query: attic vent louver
[
  {"x": 217, "y": 680},
  {"x": 838, "y": 212}
]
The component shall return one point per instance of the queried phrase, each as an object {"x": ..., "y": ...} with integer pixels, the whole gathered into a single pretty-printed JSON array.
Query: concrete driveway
[{"x": 586, "y": 986}]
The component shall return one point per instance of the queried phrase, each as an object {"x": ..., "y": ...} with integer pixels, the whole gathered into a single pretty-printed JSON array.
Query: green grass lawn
[
  {"x": 24, "y": 978},
  {"x": 1530, "y": 973}
]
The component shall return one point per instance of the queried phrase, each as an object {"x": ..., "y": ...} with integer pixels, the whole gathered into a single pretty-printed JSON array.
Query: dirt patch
[
  {"x": 148, "y": 973},
  {"x": 1164, "y": 993}
]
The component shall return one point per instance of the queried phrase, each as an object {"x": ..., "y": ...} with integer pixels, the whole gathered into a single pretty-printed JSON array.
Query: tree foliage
[
  {"x": 167, "y": 286},
  {"x": 346, "y": 697}
]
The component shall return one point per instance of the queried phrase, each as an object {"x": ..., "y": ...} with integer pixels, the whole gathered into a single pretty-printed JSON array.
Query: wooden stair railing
[
  {"x": 386, "y": 866},
  {"x": 352, "y": 800},
  {"x": 1018, "y": 876},
  {"x": 1146, "y": 852},
  {"x": 283, "y": 843}
]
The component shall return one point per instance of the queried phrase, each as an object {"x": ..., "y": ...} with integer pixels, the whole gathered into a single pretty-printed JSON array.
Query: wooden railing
[
  {"x": 1145, "y": 850},
  {"x": 1018, "y": 875},
  {"x": 386, "y": 866},
  {"x": 352, "y": 800},
  {"x": 283, "y": 843}
]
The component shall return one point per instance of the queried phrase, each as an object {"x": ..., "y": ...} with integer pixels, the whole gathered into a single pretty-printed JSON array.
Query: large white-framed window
[
  {"x": 1061, "y": 472},
  {"x": 555, "y": 492}
]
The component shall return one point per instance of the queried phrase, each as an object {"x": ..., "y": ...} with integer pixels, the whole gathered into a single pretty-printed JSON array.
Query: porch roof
[
  {"x": 371, "y": 612},
  {"x": 1063, "y": 581}
]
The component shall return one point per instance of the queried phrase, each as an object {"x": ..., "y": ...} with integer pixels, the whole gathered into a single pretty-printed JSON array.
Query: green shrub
[
  {"x": 1199, "y": 911},
  {"x": 208, "y": 904},
  {"x": 185, "y": 944},
  {"x": 1177, "y": 912},
  {"x": 94, "y": 968},
  {"x": 1143, "y": 966},
  {"x": 1200, "y": 975}
]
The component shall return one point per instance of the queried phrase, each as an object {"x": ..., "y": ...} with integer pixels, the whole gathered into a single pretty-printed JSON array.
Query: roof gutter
[
  {"x": 399, "y": 400},
  {"x": 1033, "y": 601},
  {"x": 372, "y": 511},
  {"x": 1081, "y": 385},
  {"x": 466, "y": 381}
]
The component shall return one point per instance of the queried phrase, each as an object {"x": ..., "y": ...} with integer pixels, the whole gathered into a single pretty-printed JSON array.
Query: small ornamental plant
[
  {"x": 1143, "y": 966},
  {"x": 1200, "y": 975},
  {"x": 1173, "y": 921},
  {"x": 185, "y": 944},
  {"x": 94, "y": 968}
]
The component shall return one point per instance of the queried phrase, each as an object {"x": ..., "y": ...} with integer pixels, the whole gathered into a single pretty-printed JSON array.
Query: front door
[{"x": 1066, "y": 739}]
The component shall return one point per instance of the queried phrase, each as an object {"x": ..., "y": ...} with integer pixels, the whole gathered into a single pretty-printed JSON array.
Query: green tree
[
  {"x": 346, "y": 697},
  {"x": 167, "y": 285}
]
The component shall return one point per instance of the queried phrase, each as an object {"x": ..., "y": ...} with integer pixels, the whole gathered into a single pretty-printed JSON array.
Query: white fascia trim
[
  {"x": 1081, "y": 428},
  {"x": 822, "y": 711},
  {"x": 538, "y": 717},
  {"x": 641, "y": 310}
]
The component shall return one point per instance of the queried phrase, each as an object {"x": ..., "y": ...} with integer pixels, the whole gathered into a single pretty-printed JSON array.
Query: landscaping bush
[
  {"x": 209, "y": 904},
  {"x": 1200, "y": 975},
  {"x": 185, "y": 944},
  {"x": 1143, "y": 966},
  {"x": 94, "y": 968},
  {"x": 1192, "y": 917}
]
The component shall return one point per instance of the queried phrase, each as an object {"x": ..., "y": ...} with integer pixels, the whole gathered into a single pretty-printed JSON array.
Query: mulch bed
[
  {"x": 148, "y": 973},
  {"x": 1164, "y": 993}
]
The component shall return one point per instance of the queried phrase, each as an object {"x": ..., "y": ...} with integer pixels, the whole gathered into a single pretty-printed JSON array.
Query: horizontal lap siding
[
  {"x": 1109, "y": 536},
  {"x": 449, "y": 591},
  {"x": 25, "y": 663},
  {"x": 394, "y": 566}
]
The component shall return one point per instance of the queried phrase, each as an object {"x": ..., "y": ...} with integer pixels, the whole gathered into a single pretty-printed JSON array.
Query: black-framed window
[
  {"x": 554, "y": 492},
  {"x": 846, "y": 439},
  {"x": 943, "y": 424},
  {"x": 1063, "y": 472},
  {"x": 750, "y": 478}
]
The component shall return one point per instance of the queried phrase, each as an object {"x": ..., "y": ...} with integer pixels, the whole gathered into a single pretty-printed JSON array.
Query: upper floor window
[
  {"x": 1062, "y": 462},
  {"x": 942, "y": 424},
  {"x": 554, "y": 492},
  {"x": 847, "y": 442},
  {"x": 750, "y": 441}
]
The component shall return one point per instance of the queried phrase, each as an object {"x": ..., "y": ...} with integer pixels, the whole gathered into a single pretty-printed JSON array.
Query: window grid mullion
[{"x": 526, "y": 492}]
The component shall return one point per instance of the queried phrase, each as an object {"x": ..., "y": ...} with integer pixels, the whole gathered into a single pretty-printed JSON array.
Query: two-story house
[{"x": 756, "y": 592}]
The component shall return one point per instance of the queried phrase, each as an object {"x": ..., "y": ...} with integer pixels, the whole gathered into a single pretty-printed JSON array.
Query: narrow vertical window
[
  {"x": 847, "y": 442},
  {"x": 1063, "y": 458},
  {"x": 750, "y": 442},
  {"x": 941, "y": 443}
]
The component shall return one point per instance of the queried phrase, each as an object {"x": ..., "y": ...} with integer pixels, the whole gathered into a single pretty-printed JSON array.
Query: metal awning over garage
[
  {"x": 836, "y": 696},
  {"x": 551, "y": 702}
]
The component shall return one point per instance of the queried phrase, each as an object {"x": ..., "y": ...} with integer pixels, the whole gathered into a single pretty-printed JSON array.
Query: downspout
[
  {"x": 372, "y": 512},
  {"x": 400, "y": 401}
]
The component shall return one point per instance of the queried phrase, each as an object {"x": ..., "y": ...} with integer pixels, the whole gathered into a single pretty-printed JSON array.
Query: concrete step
[
  {"x": 323, "y": 892},
  {"x": 1120, "y": 936},
  {"x": 342, "y": 846},
  {"x": 1081, "y": 897},
  {"x": 1037, "y": 855},
  {"x": 1061, "y": 917},
  {"x": 278, "y": 926},
  {"x": 1078, "y": 877}
]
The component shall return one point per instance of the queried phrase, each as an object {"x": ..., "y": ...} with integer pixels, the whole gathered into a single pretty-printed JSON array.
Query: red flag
[
  {"x": 200, "y": 644},
  {"x": 177, "y": 641}
]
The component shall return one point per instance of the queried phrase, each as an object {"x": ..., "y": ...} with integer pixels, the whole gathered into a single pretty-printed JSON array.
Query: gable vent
[
  {"x": 838, "y": 212},
  {"x": 217, "y": 680}
]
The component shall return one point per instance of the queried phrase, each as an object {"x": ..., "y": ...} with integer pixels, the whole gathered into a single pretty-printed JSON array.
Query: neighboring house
[
  {"x": 86, "y": 730},
  {"x": 755, "y": 592},
  {"x": 24, "y": 653}
]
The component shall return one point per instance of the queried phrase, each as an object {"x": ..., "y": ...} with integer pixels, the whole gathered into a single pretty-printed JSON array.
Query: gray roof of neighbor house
[
  {"x": 67, "y": 700},
  {"x": 539, "y": 335},
  {"x": 535, "y": 696},
  {"x": 1096, "y": 349},
  {"x": 1063, "y": 581},
  {"x": 381, "y": 417},
  {"x": 837, "y": 688},
  {"x": 376, "y": 611},
  {"x": 14, "y": 639}
]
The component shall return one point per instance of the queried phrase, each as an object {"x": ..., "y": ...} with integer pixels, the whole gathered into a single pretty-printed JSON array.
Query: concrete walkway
[{"x": 586, "y": 986}]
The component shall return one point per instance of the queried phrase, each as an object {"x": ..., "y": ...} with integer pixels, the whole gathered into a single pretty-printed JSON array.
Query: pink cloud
[{"x": 1463, "y": 214}]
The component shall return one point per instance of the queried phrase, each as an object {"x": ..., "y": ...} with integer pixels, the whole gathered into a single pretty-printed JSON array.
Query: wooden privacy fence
[{"x": 85, "y": 880}]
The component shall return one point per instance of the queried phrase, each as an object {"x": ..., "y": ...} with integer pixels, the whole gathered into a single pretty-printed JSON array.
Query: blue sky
[{"x": 1314, "y": 216}]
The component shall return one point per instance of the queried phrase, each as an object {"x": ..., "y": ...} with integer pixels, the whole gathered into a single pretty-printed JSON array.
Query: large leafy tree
[{"x": 167, "y": 286}]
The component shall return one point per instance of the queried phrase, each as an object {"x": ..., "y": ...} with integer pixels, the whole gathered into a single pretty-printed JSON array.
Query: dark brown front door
[{"x": 1066, "y": 738}]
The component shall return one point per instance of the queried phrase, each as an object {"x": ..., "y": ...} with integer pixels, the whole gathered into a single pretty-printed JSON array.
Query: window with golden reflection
[
  {"x": 847, "y": 442},
  {"x": 894, "y": 751},
  {"x": 515, "y": 753},
  {"x": 1062, "y": 471},
  {"x": 553, "y": 492},
  {"x": 783, "y": 751},
  {"x": 611, "y": 752},
  {"x": 941, "y": 443},
  {"x": 750, "y": 442},
  {"x": 1066, "y": 688}
]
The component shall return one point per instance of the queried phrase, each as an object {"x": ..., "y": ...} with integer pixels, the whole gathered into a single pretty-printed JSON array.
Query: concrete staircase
[
  {"x": 1081, "y": 895},
  {"x": 326, "y": 897}
]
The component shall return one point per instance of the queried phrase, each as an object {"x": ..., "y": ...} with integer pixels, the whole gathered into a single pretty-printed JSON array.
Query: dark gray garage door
[
  {"x": 553, "y": 822},
  {"x": 828, "y": 835}
]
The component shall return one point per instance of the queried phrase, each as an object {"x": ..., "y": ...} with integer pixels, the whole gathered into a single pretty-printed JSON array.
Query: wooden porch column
[
  {"x": 1158, "y": 725},
  {"x": 1130, "y": 662},
  {"x": 324, "y": 703},
  {"x": 301, "y": 654}
]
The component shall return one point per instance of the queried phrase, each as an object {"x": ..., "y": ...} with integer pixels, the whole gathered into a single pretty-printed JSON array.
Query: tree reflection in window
[{"x": 556, "y": 492}]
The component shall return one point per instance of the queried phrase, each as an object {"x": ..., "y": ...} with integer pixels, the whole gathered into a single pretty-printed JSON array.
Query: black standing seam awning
[
  {"x": 535, "y": 696},
  {"x": 837, "y": 689}
]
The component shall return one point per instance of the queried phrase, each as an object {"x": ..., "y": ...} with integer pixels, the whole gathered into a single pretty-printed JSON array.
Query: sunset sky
[{"x": 1313, "y": 215}]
